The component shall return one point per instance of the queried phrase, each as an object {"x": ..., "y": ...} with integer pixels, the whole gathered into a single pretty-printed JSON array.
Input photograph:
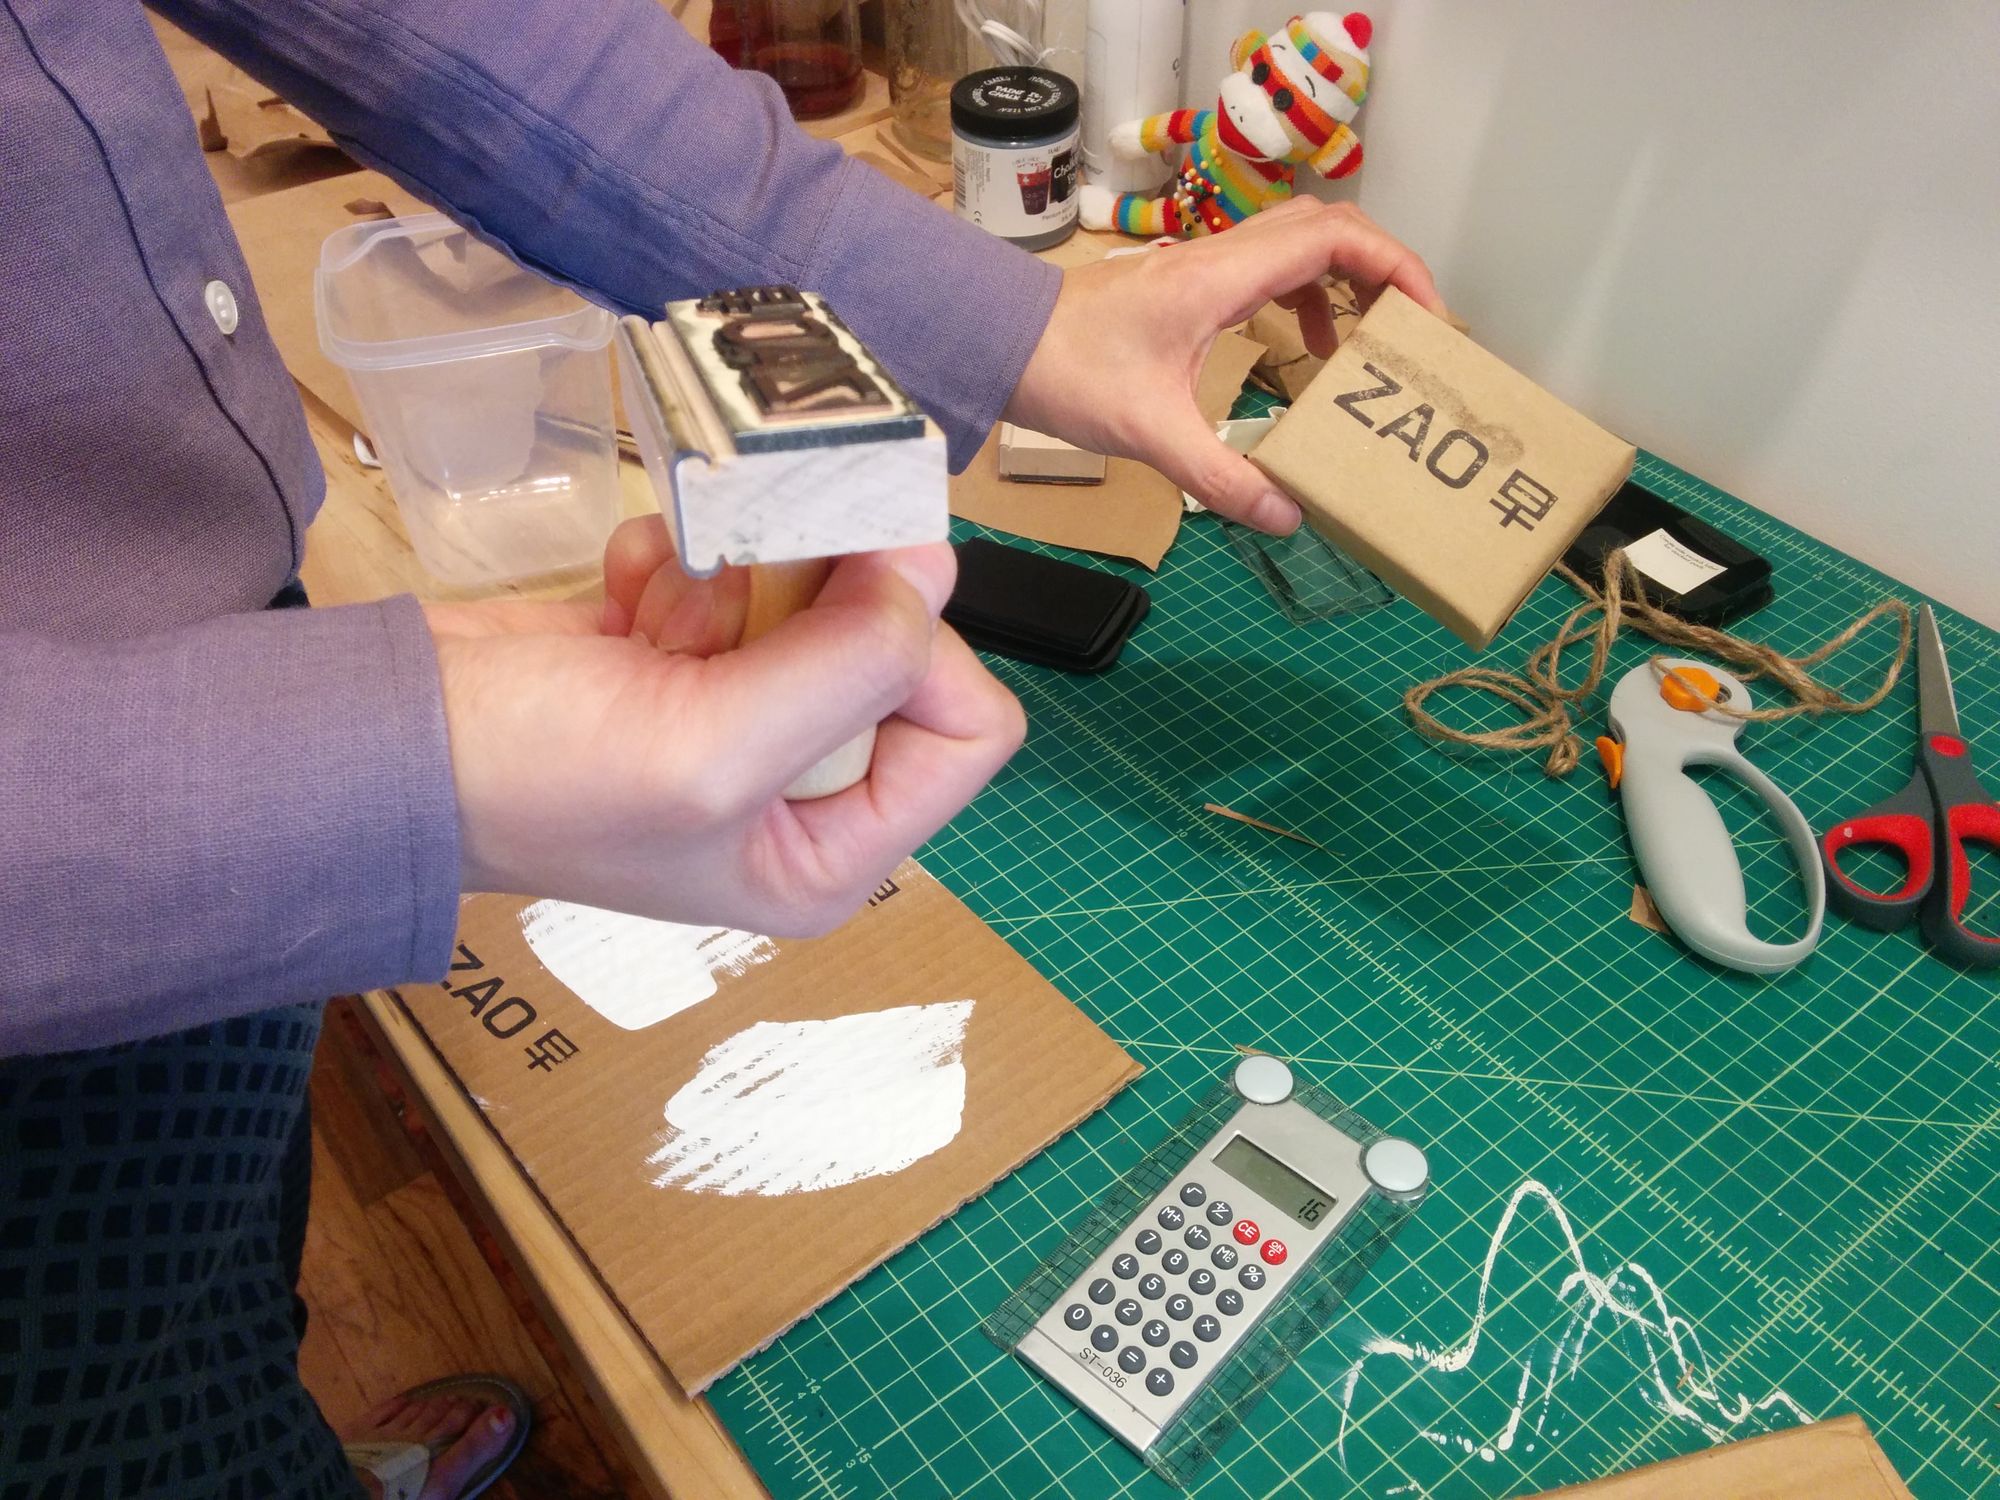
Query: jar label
[{"x": 1016, "y": 192}]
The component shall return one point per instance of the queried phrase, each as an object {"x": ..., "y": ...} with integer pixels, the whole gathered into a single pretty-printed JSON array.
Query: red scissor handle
[
  {"x": 1905, "y": 823},
  {"x": 1944, "y": 919}
]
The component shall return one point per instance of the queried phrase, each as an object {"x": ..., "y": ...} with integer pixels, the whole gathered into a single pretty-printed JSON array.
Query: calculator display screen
[{"x": 1272, "y": 1179}]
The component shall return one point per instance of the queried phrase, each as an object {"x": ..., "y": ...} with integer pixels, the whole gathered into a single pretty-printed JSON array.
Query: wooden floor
[{"x": 404, "y": 1286}]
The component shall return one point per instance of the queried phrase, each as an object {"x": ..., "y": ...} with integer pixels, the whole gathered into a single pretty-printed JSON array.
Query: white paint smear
[
  {"x": 793, "y": 1107},
  {"x": 633, "y": 971},
  {"x": 1678, "y": 1378}
]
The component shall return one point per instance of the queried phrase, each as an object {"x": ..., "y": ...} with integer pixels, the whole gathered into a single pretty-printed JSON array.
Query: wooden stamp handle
[{"x": 777, "y": 592}]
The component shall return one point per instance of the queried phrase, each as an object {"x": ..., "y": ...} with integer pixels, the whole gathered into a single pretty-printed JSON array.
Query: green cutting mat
[{"x": 1673, "y": 1204}]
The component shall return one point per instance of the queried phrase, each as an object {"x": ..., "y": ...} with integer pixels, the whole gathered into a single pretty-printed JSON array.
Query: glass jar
[
  {"x": 929, "y": 50},
  {"x": 934, "y": 43},
  {"x": 811, "y": 47}
]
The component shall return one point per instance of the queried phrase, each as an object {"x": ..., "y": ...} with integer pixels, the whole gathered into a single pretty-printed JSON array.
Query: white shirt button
[{"x": 221, "y": 305}]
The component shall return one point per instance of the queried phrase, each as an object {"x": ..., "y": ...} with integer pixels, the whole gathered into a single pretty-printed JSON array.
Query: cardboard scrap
[
  {"x": 1837, "y": 1457},
  {"x": 709, "y": 1273},
  {"x": 1455, "y": 479},
  {"x": 1644, "y": 912},
  {"x": 1136, "y": 513},
  {"x": 1286, "y": 366},
  {"x": 281, "y": 234},
  {"x": 248, "y": 120},
  {"x": 1039, "y": 458}
]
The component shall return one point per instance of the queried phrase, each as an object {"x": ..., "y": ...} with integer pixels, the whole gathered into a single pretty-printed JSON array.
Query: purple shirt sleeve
[
  {"x": 601, "y": 144},
  {"x": 272, "y": 793}
]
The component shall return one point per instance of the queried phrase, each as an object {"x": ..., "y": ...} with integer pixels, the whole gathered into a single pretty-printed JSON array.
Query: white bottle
[{"x": 1132, "y": 64}]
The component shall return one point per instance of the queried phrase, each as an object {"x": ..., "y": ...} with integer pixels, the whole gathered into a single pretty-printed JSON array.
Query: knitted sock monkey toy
[{"x": 1288, "y": 103}]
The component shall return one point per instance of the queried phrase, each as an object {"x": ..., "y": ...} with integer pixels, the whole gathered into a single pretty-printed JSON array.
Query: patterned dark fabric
[{"x": 152, "y": 1213}]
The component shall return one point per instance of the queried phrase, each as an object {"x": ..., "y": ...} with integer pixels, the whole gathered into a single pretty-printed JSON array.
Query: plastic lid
[
  {"x": 392, "y": 293},
  {"x": 1014, "y": 104}
]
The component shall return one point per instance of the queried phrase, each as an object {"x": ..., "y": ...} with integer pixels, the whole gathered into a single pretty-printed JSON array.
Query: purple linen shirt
[{"x": 208, "y": 809}]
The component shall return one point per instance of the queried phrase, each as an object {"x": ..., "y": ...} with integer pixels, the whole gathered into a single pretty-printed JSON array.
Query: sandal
[{"x": 401, "y": 1467}]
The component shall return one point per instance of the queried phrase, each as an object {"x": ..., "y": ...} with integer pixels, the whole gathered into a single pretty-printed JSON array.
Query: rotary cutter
[{"x": 1665, "y": 720}]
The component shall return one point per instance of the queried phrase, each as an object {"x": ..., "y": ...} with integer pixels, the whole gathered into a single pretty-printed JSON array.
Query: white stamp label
[{"x": 1671, "y": 563}]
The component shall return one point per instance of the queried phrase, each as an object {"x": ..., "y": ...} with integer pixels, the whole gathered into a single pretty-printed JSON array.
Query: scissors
[{"x": 1929, "y": 822}]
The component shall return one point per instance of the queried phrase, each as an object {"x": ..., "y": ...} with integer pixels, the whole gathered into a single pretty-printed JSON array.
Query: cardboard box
[
  {"x": 1454, "y": 478},
  {"x": 1832, "y": 1460},
  {"x": 728, "y": 1161},
  {"x": 1036, "y": 457}
]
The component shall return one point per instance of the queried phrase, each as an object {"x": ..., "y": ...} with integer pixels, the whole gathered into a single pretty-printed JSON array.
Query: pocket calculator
[{"x": 1158, "y": 1312}]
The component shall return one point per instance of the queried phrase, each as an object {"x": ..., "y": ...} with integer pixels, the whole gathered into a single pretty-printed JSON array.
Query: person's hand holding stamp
[{"x": 634, "y": 757}]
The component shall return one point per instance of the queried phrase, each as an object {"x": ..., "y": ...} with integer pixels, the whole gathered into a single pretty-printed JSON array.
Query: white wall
[{"x": 1760, "y": 237}]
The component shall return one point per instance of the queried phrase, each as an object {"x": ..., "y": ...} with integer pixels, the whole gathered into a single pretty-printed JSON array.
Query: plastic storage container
[{"x": 487, "y": 395}]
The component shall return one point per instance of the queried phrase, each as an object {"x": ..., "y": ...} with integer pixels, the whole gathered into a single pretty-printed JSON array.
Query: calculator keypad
[{"x": 1193, "y": 1307}]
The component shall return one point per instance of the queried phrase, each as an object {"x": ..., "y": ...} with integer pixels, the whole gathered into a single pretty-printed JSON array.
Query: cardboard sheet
[
  {"x": 1836, "y": 1459},
  {"x": 281, "y": 234},
  {"x": 732, "y": 1128},
  {"x": 1455, "y": 479},
  {"x": 1136, "y": 512}
]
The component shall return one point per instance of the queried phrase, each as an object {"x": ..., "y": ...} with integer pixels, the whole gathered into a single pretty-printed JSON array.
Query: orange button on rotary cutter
[
  {"x": 1691, "y": 690},
  {"x": 1612, "y": 753}
]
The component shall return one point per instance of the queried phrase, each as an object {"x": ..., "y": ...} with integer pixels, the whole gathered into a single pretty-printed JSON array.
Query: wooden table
[{"x": 358, "y": 550}]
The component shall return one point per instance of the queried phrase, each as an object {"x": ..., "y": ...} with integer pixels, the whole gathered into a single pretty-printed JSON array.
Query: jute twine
[{"x": 1546, "y": 705}]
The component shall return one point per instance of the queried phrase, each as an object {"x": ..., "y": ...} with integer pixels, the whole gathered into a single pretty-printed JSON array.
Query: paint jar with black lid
[{"x": 1014, "y": 154}]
